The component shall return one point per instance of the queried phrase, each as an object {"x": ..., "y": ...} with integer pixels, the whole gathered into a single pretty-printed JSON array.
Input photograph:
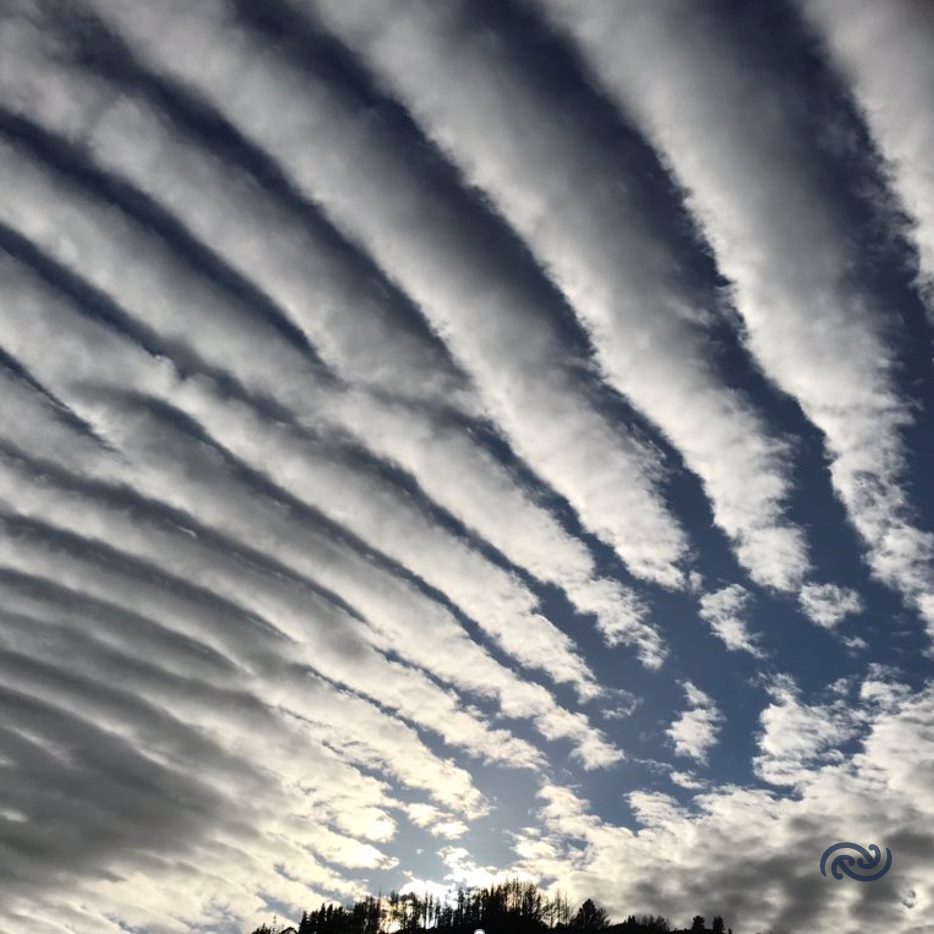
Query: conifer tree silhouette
[{"x": 590, "y": 918}]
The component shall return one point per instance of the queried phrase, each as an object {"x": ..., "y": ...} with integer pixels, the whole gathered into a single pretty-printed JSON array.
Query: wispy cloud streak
[
  {"x": 886, "y": 54},
  {"x": 132, "y": 142},
  {"x": 733, "y": 146},
  {"x": 209, "y": 489},
  {"x": 562, "y": 193},
  {"x": 363, "y": 175}
]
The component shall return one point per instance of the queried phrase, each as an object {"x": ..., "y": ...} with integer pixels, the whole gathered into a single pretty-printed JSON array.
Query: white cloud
[
  {"x": 67, "y": 219},
  {"x": 797, "y": 737},
  {"x": 828, "y": 604},
  {"x": 315, "y": 285},
  {"x": 562, "y": 193},
  {"x": 886, "y": 53},
  {"x": 725, "y": 611},
  {"x": 295, "y": 451},
  {"x": 733, "y": 144},
  {"x": 767, "y": 848},
  {"x": 365, "y": 179},
  {"x": 696, "y": 730}
]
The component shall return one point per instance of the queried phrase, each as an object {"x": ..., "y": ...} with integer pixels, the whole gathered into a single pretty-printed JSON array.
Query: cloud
[
  {"x": 687, "y": 780},
  {"x": 562, "y": 194},
  {"x": 737, "y": 149},
  {"x": 356, "y": 366},
  {"x": 364, "y": 175},
  {"x": 751, "y": 855},
  {"x": 102, "y": 243},
  {"x": 885, "y": 53},
  {"x": 797, "y": 737},
  {"x": 724, "y": 610},
  {"x": 828, "y": 604},
  {"x": 156, "y": 153},
  {"x": 696, "y": 730}
]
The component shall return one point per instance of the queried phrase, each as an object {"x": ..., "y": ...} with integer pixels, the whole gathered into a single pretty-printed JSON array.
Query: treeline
[{"x": 510, "y": 908}]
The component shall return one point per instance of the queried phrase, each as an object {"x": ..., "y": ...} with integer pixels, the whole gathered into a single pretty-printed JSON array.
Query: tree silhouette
[
  {"x": 590, "y": 918},
  {"x": 645, "y": 924},
  {"x": 515, "y": 907}
]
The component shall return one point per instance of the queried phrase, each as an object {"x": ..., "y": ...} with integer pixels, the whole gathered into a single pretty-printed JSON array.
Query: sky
[{"x": 449, "y": 442}]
